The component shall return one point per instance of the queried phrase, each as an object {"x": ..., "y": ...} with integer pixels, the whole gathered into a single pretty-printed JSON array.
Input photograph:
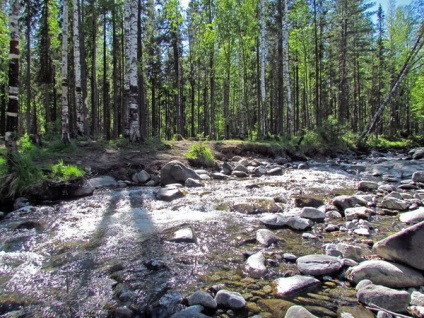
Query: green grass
[
  {"x": 62, "y": 172},
  {"x": 200, "y": 155}
]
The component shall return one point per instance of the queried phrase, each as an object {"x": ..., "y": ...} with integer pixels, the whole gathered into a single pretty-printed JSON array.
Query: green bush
[
  {"x": 200, "y": 155},
  {"x": 62, "y": 172}
]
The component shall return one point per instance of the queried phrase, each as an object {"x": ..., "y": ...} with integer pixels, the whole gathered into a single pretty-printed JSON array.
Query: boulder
[
  {"x": 393, "y": 203},
  {"x": 194, "y": 311},
  {"x": 385, "y": 273},
  {"x": 343, "y": 202},
  {"x": 294, "y": 285},
  {"x": 360, "y": 212},
  {"x": 384, "y": 297},
  {"x": 412, "y": 217},
  {"x": 202, "y": 298},
  {"x": 417, "y": 298},
  {"x": 229, "y": 299},
  {"x": 279, "y": 221},
  {"x": 184, "y": 235},
  {"x": 418, "y": 153},
  {"x": 101, "y": 182},
  {"x": 255, "y": 205},
  {"x": 367, "y": 186},
  {"x": 192, "y": 183},
  {"x": 265, "y": 237},
  {"x": 405, "y": 246},
  {"x": 350, "y": 251},
  {"x": 141, "y": 177},
  {"x": 169, "y": 194},
  {"x": 176, "y": 172},
  {"x": 312, "y": 214},
  {"x": 298, "y": 312},
  {"x": 418, "y": 176},
  {"x": 276, "y": 171},
  {"x": 318, "y": 264},
  {"x": 301, "y": 201},
  {"x": 255, "y": 265}
]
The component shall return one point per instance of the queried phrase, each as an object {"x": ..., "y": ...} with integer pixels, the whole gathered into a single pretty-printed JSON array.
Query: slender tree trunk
[
  {"x": 280, "y": 77},
  {"x": 141, "y": 96},
  {"x": 262, "y": 54},
  {"x": 65, "y": 104},
  {"x": 115, "y": 51},
  {"x": 131, "y": 82},
  {"x": 28, "y": 71},
  {"x": 318, "y": 115},
  {"x": 77, "y": 69},
  {"x": 93, "y": 77},
  {"x": 286, "y": 70},
  {"x": 2, "y": 109},
  {"x": 13, "y": 106},
  {"x": 106, "y": 106}
]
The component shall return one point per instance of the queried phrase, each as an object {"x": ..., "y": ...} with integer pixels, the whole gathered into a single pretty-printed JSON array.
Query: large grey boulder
[
  {"x": 202, "y": 298},
  {"x": 278, "y": 220},
  {"x": 194, "y": 311},
  {"x": 367, "y": 186},
  {"x": 412, "y": 217},
  {"x": 393, "y": 203},
  {"x": 385, "y": 273},
  {"x": 342, "y": 202},
  {"x": 418, "y": 176},
  {"x": 294, "y": 285},
  {"x": 405, "y": 246},
  {"x": 318, "y": 264},
  {"x": 384, "y": 297},
  {"x": 255, "y": 265},
  {"x": 418, "y": 153},
  {"x": 265, "y": 237},
  {"x": 176, "y": 172},
  {"x": 350, "y": 251},
  {"x": 229, "y": 299},
  {"x": 312, "y": 214},
  {"x": 360, "y": 212}
]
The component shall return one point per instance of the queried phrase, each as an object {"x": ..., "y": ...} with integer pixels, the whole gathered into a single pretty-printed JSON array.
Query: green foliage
[
  {"x": 200, "y": 155},
  {"x": 62, "y": 172}
]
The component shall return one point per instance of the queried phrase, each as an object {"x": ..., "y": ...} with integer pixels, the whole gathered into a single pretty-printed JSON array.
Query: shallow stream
[{"x": 88, "y": 257}]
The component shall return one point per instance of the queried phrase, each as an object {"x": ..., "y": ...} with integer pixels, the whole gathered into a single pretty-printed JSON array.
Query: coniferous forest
[{"x": 216, "y": 69}]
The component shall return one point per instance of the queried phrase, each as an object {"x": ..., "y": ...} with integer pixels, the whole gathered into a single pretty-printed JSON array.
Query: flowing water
[{"x": 87, "y": 257}]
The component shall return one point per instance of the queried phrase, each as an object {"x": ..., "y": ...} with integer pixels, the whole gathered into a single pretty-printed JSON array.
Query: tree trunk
[
  {"x": 65, "y": 108},
  {"x": 77, "y": 65},
  {"x": 115, "y": 51},
  {"x": 131, "y": 81},
  {"x": 262, "y": 54},
  {"x": 28, "y": 71},
  {"x": 106, "y": 106},
  {"x": 143, "y": 110},
  {"x": 286, "y": 70},
  {"x": 93, "y": 77},
  {"x": 13, "y": 106}
]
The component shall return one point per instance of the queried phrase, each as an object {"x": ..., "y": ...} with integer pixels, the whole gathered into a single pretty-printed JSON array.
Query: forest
[{"x": 215, "y": 69}]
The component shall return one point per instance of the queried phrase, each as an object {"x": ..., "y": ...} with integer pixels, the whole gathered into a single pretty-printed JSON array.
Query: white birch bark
[
  {"x": 65, "y": 107},
  {"x": 286, "y": 70},
  {"x": 13, "y": 106},
  {"x": 131, "y": 77},
  {"x": 77, "y": 64},
  {"x": 262, "y": 52}
]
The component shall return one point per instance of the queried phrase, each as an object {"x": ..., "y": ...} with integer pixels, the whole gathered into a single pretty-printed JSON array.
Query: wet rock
[
  {"x": 141, "y": 177},
  {"x": 2, "y": 215},
  {"x": 219, "y": 176},
  {"x": 281, "y": 160},
  {"x": 418, "y": 176},
  {"x": 405, "y": 246},
  {"x": 301, "y": 201},
  {"x": 21, "y": 202},
  {"x": 385, "y": 273},
  {"x": 192, "y": 183},
  {"x": 299, "y": 311},
  {"x": 384, "y": 297},
  {"x": 229, "y": 299},
  {"x": 393, "y": 203},
  {"x": 332, "y": 228},
  {"x": 101, "y": 182},
  {"x": 412, "y": 217},
  {"x": 239, "y": 174},
  {"x": 259, "y": 171},
  {"x": 418, "y": 153},
  {"x": 265, "y": 237},
  {"x": 303, "y": 166},
  {"x": 154, "y": 265},
  {"x": 255, "y": 265},
  {"x": 367, "y": 186},
  {"x": 309, "y": 236},
  {"x": 312, "y": 214},
  {"x": 359, "y": 212},
  {"x": 386, "y": 188},
  {"x": 417, "y": 298},
  {"x": 123, "y": 312},
  {"x": 333, "y": 215},
  {"x": 277, "y": 307},
  {"x": 279, "y": 221},
  {"x": 318, "y": 264},
  {"x": 343, "y": 202},
  {"x": 350, "y": 251},
  {"x": 176, "y": 172},
  {"x": 294, "y": 285},
  {"x": 241, "y": 168},
  {"x": 226, "y": 168},
  {"x": 289, "y": 257},
  {"x": 194, "y": 311},
  {"x": 354, "y": 311},
  {"x": 275, "y": 171},
  {"x": 184, "y": 235},
  {"x": 202, "y": 298},
  {"x": 169, "y": 194},
  {"x": 85, "y": 190}
]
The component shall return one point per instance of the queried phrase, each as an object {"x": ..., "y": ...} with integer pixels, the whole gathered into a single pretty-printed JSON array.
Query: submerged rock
[
  {"x": 405, "y": 246},
  {"x": 101, "y": 182},
  {"x": 166, "y": 194}
]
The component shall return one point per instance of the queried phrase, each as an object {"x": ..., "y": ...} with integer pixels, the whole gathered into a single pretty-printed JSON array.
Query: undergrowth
[{"x": 200, "y": 155}]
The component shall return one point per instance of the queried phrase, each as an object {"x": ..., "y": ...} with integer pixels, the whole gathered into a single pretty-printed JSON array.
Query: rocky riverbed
[{"x": 254, "y": 237}]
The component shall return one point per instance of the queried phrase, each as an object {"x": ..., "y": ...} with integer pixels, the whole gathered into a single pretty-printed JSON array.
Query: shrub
[
  {"x": 62, "y": 172},
  {"x": 200, "y": 155}
]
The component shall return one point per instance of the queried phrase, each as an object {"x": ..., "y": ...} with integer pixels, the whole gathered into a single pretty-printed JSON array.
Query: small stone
[
  {"x": 294, "y": 285},
  {"x": 265, "y": 237},
  {"x": 298, "y": 311},
  {"x": 318, "y": 264},
  {"x": 167, "y": 194},
  {"x": 229, "y": 299},
  {"x": 202, "y": 298}
]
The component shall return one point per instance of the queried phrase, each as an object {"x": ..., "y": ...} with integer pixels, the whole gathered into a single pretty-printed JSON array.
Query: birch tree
[
  {"x": 13, "y": 106},
  {"x": 262, "y": 52},
  {"x": 65, "y": 109},
  {"x": 131, "y": 77},
  {"x": 77, "y": 64},
  {"x": 286, "y": 70}
]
